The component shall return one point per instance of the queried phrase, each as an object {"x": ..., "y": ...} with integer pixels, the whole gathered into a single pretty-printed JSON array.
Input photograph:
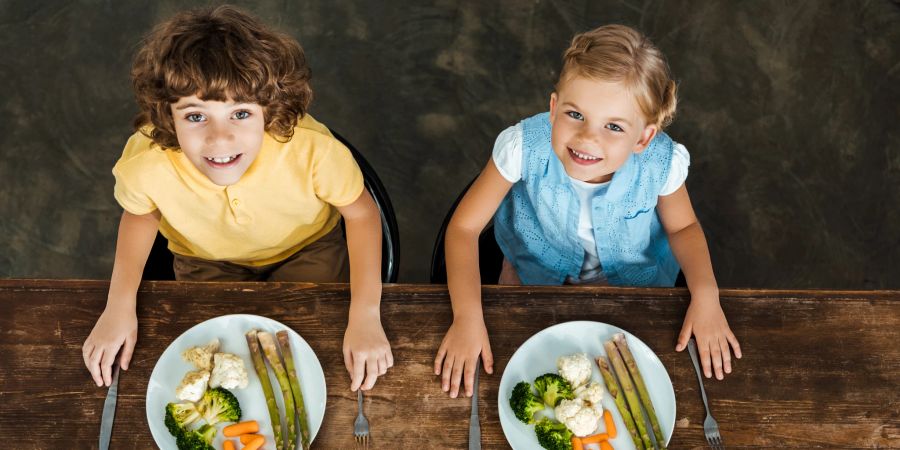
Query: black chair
[
  {"x": 490, "y": 258},
  {"x": 159, "y": 263}
]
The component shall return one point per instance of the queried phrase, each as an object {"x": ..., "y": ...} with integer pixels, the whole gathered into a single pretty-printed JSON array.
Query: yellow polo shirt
[{"x": 283, "y": 202}]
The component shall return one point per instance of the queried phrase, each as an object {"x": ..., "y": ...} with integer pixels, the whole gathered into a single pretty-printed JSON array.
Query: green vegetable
[
  {"x": 270, "y": 350},
  {"x": 553, "y": 388},
  {"x": 199, "y": 439},
  {"x": 524, "y": 403},
  {"x": 553, "y": 435},
  {"x": 284, "y": 344},
  {"x": 260, "y": 366},
  {"x": 219, "y": 405},
  {"x": 180, "y": 417}
]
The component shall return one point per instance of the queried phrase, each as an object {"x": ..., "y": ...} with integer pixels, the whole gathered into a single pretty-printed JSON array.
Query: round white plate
[
  {"x": 538, "y": 354},
  {"x": 230, "y": 330}
]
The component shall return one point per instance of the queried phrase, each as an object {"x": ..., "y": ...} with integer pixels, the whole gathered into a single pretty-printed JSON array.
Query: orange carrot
[
  {"x": 605, "y": 445},
  {"x": 238, "y": 429},
  {"x": 594, "y": 438},
  {"x": 610, "y": 424},
  {"x": 576, "y": 443},
  {"x": 246, "y": 438},
  {"x": 256, "y": 443},
  {"x": 228, "y": 445}
]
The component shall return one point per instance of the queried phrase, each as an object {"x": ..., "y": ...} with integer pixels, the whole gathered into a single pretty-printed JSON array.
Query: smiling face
[
  {"x": 597, "y": 125},
  {"x": 221, "y": 139}
]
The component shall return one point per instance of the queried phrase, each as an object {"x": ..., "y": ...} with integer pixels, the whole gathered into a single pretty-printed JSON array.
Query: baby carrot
[
  {"x": 228, "y": 445},
  {"x": 256, "y": 443},
  {"x": 576, "y": 443},
  {"x": 594, "y": 438},
  {"x": 238, "y": 429},
  {"x": 605, "y": 445},
  {"x": 246, "y": 438},
  {"x": 610, "y": 424}
]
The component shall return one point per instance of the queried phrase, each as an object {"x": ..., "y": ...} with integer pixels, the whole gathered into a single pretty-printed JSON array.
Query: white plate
[
  {"x": 230, "y": 330},
  {"x": 538, "y": 354}
]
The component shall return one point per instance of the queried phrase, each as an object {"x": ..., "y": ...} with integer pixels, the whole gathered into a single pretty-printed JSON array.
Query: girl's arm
[
  {"x": 117, "y": 326},
  {"x": 467, "y": 336},
  {"x": 704, "y": 318},
  {"x": 367, "y": 352}
]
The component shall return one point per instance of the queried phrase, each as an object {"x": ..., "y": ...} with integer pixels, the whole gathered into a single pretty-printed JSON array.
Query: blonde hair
[{"x": 618, "y": 53}]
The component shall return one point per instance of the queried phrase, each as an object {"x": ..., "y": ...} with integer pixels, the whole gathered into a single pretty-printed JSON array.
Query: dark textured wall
[{"x": 790, "y": 110}]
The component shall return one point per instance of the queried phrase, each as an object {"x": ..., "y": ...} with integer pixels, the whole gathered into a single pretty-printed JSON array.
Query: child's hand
[
  {"x": 707, "y": 322},
  {"x": 458, "y": 355},
  {"x": 367, "y": 352},
  {"x": 116, "y": 328}
]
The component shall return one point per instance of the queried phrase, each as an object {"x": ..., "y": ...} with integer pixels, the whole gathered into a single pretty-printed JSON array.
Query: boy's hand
[
  {"x": 458, "y": 355},
  {"x": 367, "y": 352},
  {"x": 707, "y": 322},
  {"x": 115, "y": 329}
]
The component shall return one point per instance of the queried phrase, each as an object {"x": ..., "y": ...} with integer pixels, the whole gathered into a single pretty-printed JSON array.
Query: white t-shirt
[{"x": 507, "y": 156}]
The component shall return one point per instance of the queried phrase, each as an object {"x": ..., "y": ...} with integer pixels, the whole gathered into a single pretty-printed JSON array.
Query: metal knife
[
  {"x": 474, "y": 425},
  {"x": 109, "y": 410}
]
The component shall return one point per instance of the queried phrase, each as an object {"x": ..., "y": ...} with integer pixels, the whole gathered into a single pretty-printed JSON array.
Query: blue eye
[
  {"x": 241, "y": 115},
  {"x": 614, "y": 127},
  {"x": 575, "y": 115},
  {"x": 195, "y": 117}
]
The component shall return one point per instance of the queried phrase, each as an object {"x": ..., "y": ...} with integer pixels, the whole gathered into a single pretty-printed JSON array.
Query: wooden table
[{"x": 820, "y": 368}]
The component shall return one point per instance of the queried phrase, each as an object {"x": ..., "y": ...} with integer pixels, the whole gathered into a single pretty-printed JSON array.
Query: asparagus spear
[
  {"x": 625, "y": 381},
  {"x": 619, "y": 339},
  {"x": 271, "y": 352},
  {"x": 263, "y": 374},
  {"x": 612, "y": 386},
  {"x": 284, "y": 342}
]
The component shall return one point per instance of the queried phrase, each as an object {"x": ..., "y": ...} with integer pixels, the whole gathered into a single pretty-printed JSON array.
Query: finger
[
  {"x": 348, "y": 360},
  {"x": 704, "y": 358},
  {"x": 446, "y": 371},
  {"x": 456, "y": 378},
  {"x": 439, "y": 360},
  {"x": 469, "y": 375},
  {"x": 390, "y": 358},
  {"x": 86, "y": 351},
  {"x": 716, "y": 356},
  {"x": 726, "y": 354},
  {"x": 684, "y": 337},
  {"x": 358, "y": 371},
  {"x": 487, "y": 358},
  {"x": 109, "y": 356},
  {"x": 734, "y": 344},
  {"x": 94, "y": 366},
  {"x": 382, "y": 365},
  {"x": 371, "y": 373},
  {"x": 127, "y": 352}
]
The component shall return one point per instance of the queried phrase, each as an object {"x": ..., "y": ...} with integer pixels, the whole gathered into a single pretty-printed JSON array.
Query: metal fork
[
  {"x": 361, "y": 425},
  {"x": 710, "y": 426}
]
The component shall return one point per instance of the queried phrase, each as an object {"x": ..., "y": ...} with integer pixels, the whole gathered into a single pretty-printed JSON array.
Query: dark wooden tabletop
[{"x": 820, "y": 368}]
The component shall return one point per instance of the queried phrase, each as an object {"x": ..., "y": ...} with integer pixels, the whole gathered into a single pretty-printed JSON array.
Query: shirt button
[{"x": 235, "y": 202}]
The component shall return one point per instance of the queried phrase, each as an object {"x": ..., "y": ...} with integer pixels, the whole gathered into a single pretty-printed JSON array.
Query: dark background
[{"x": 790, "y": 110}]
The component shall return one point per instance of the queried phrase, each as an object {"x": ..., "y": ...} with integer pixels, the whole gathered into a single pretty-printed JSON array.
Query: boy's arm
[
  {"x": 467, "y": 336},
  {"x": 367, "y": 352},
  {"x": 117, "y": 326},
  {"x": 704, "y": 318}
]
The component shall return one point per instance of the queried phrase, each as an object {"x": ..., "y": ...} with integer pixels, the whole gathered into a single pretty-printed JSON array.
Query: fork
[
  {"x": 361, "y": 425},
  {"x": 710, "y": 426}
]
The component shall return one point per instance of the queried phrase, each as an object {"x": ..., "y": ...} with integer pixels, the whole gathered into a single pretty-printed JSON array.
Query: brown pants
[{"x": 323, "y": 261}]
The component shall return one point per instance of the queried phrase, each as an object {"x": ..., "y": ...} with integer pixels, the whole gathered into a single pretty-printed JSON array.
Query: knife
[
  {"x": 109, "y": 410},
  {"x": 474, "y": 426}
]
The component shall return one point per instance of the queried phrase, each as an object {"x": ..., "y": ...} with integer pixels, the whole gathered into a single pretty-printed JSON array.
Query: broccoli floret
[
  {"x": 553, "y": 435},
  {"x": 181, "y": 417},
  {"x": 219, "y": 405},
  {"x": 553, "y": 388},
  {"x": 199, "y": 439},
  {"x": 524, "y": 403}
]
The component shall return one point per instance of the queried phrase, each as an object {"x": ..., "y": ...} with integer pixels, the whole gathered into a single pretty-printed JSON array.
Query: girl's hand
[
  {"x": 116, "y": 328},
  {"x": 707, "y": 322},
  {"x": 367, "y": 352},
  {"x": 458, "y": 355}
]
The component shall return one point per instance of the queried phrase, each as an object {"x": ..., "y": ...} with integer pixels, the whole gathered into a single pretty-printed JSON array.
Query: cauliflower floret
[
  {"x": 192, "y": 386},
  {"x": 584, "y": 422},
  {"x": 568, "y": 408},
  {"x": 228, "y": 372},
  {"x": 592, "y": 394},
  {"x": 201, "y": 356},
  {"x": 576, "y": 369}
]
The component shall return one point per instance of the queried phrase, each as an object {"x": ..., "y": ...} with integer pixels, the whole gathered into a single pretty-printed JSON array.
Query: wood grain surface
[{"x": 821, "y": 369}]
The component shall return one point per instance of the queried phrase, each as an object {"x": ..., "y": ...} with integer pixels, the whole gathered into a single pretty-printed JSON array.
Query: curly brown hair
[{"x": 219, "y": 54}]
